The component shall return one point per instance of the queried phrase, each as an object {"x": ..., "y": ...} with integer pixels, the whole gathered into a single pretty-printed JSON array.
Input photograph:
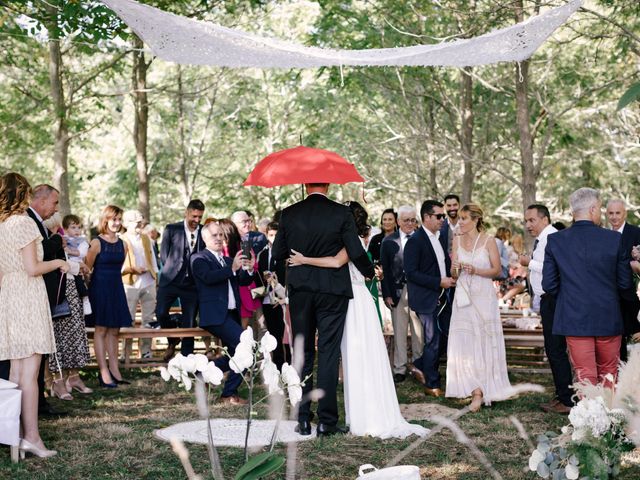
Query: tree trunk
[
  {"x": 522, "y": 119},
  {"x": 466, "y": 132},
  {"x": 140, "y": 124},
  {"x": 182, "y": 154},
  {"x": 61, "y": 130}
]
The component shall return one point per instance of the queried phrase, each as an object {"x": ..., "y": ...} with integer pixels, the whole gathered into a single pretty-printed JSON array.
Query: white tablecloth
[{"x": 10, "y": 416}]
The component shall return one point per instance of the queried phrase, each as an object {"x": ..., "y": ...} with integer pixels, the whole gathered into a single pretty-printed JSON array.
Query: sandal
[
  {"x": 62, "y": 396},
  {"x": 82, "y": 388},
  {"x": 476, "y": 402}
]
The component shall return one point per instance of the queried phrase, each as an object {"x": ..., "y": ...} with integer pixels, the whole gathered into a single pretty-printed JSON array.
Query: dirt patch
[{"x": 422, "y": 411}]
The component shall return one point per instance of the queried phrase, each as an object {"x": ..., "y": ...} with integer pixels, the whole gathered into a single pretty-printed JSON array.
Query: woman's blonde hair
[
  {"x": 108, "y": 212},
  {"x": 476, "y": 213},
  {"x": 517, "y": 242},
  {"x": 15, "y": 195},
  {"x": 504, "y": 234}
]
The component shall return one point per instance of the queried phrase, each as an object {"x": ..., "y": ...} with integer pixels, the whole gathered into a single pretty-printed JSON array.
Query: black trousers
[
  {"x": 629, "y": 309},
  {"x": 274, "y": 318},
  {"x": 556, "y": 348},
  {"x": 325, "y": 313},
  {"x": 188, "y": 296}
]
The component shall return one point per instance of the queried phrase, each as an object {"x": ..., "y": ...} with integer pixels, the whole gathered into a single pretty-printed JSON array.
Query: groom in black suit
[{"x": 319, "y": 297}]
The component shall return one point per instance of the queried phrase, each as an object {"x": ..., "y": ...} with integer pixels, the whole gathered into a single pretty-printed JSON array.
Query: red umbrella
[{"x": 302, "y": 165}]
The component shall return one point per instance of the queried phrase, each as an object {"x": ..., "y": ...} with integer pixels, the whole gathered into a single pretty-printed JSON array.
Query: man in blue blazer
[
  {"x": 426, "y": 265},
  {"x": 217, "y": 279},
  {"x": 179, "y": 241},
  {"x": 585, "y": 268}
]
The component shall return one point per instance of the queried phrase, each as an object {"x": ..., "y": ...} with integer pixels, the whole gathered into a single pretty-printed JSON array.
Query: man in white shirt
[
  {"x": 394, "y": 292},
  {"x": 538, "y": 224},
  {"x": 139, "y": 273}
]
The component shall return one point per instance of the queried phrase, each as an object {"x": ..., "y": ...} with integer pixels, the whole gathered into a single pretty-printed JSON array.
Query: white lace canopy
[{"x": 186, "y": 41}]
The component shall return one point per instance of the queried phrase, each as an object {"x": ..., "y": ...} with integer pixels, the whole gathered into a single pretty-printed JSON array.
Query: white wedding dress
[
  {"x": 476, "y": 352},
  {"x": 371, "y": 403}
]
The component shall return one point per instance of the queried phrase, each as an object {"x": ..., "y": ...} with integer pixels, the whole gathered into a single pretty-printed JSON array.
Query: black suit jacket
[
  {"x": 630, "y": 238},
  {"x": 174, "y": 251},
  {"x": 276, "y": 266},
  {"x": 52, "y": 247},
  {"x": 391, "y": 260},
  {"x": 319, "y": 227}
]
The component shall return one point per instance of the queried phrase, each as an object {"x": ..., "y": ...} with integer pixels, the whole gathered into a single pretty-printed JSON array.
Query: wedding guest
[
  {"x": 476, "y": 359},
  {"x": 448, "y": 230},
  {"x": 217, "y": 278},
  {"x": 76, "y": 250},
  {"x": 272, "y": 274},
  {"x": 179, "y": 241},
  {"x": 139, "y": 274},
  {"x": 106, "y": 256},
  {"x": 25, "y": 316},
  {"x": 394, "y": 292},
  {"x": 629, "y": 302},
  {"x": 427, "y": 268},
  {"x": 263, "y": 224},
  {"x": 44, "y": 204},
  {"x": 388, "y": 225},
  {"x": 538, "y": 223},
  {"x": 151, "y": 231},
  {"x": 72, "y": 345},
  {"x": 250, "y": 308},
  {"x": 585, "y": 268}
]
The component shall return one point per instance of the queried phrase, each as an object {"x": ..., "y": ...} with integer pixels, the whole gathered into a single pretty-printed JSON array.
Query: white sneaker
[{"x": 146, "y": 355}]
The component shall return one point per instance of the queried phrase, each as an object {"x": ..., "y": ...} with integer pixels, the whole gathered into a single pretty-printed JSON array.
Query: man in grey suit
[{"x": 394, "y": 292}]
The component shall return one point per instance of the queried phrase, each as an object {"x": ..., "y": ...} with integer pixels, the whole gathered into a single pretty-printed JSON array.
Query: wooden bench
[{"x": 129, "y": 333}]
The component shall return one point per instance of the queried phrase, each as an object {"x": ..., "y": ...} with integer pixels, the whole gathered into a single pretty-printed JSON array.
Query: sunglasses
[{"x": 439, "y": 216}]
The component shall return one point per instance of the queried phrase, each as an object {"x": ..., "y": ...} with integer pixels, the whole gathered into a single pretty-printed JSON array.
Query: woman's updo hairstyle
[
  {"x": 361, "y": 217},
  {"x": 476, "y": 213}
]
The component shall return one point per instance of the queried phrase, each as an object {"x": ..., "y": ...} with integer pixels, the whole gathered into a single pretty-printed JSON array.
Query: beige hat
[{"x": 131, "y": 216}]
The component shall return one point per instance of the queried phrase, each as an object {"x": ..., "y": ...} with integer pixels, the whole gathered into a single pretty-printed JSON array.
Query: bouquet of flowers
[{"x": 603, "y": 426}]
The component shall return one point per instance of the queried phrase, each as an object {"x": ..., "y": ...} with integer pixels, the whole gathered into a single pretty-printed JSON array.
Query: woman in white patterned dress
[
  {"x": 476, "y": 360},
  {"x": 26, "y": 330}
]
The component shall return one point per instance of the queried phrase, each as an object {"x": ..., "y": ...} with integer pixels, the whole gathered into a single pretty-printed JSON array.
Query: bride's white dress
[
  {"x": 476, "y": 352},
  {"x": 371, "y": 403}
]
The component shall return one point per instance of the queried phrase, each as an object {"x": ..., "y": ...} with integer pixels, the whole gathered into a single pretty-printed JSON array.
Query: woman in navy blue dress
[{"x": 106, "y": 293}]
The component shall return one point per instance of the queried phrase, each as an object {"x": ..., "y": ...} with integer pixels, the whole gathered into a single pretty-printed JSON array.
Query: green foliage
[
  {"x": 259, "y": 466},
  {"x": 631, "y": 95}
]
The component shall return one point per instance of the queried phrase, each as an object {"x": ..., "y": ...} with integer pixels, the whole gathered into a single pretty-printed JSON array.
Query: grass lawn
[{"x": 109, "y": 435}]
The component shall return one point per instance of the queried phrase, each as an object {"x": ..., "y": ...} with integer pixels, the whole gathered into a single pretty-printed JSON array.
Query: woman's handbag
[{"x": 62, "y": 309}]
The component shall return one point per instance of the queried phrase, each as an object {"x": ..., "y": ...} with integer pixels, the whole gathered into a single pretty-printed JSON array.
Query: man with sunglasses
[
  {"x": 179, "y": 241},
  {"x": 427, "y": 267},
  {"x": 394, "y": 292}
]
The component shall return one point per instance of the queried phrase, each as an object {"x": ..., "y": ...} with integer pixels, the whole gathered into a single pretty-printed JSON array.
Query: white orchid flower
[
  {"x": 246, "y": 338},
  {"x": 189, "y": 363},
  {"x": 271, "y": 376},
  {"x": 201, "y": 361},
  {"x": 164, "y": 373},
  {"x": 175, "y": 367},
  {"x": 186, "y": 380},
  {"x": 212, "y": 374},
  {"x": 242, "y": 359},
  {"x": 295, "y": 394},
  {"x": 268, "y": 344}
]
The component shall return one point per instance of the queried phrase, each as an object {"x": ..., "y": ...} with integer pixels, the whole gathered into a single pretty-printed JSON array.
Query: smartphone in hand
[{"x": 245, "y": 246}]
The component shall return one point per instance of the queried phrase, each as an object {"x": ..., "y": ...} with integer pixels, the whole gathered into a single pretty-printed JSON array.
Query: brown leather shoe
[
  {"x": 417, "y": 374},
  {"x": 171, "y": 351},
  {"x": 559, "y": 407},
  {"x": 232, "y": 400},
  {"x": 432, "y": 392},
  {"x": 550, "y": 404}
]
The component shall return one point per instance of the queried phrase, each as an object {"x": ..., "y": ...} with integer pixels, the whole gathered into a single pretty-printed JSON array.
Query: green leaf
[
  {"x": 259, "y": 466},
  {"x": 629, "y": 96}
]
